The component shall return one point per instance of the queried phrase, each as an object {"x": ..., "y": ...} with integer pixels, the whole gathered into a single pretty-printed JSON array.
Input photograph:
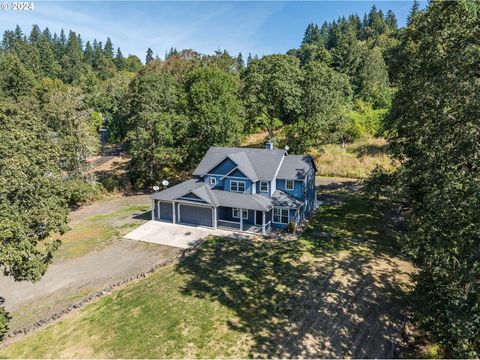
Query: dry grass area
[{"x": 355, "y": 160}]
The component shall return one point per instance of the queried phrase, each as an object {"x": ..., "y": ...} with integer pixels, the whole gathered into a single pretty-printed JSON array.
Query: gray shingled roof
[
  {"x": 296, "y": 166},
  {"x": 257, "y": 164},
  {"x": 244, "y": 201},
  {"x": 226, "y": 198},
  {"x": 215, "y": 197},
  {"x": 282, "y": 199},
  {"x": 195, "y": 186}
]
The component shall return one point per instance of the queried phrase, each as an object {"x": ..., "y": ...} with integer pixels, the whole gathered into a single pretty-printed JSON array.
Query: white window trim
[
  {"x": 293, "y": 185},
  {"x": 280, "y": 215},
  {"x": 268, "y": 186},
  {"x": 238, "y": 182},
  {"x": 244, "y": 211},
  {"x": 213, "y": 181}
]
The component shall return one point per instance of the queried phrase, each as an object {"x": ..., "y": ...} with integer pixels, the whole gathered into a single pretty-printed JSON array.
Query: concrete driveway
[{"x": 176, "y": 235}]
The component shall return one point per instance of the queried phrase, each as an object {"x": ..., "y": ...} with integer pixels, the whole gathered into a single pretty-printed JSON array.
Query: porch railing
[
  {"x": 268, "y": 226},
  {"x": 246, "y": 227},
  {"x": 228, "y": 224}
]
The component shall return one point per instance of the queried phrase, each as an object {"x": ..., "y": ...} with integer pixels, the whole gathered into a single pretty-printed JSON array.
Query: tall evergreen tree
[
  {"x": 72, "y": 61},
  {"x": 108, "y": 49},
  {"x": 48, "y": 63},
  {"x": 35, "y": 35},
  {"x": 312, "y": 35},
  {"x": 47, "y": 35},
  {"x": 119, "y": 60},
  {"x": 88, "y": 53},
  {"x": 391, "y": 20},
  {"x": 249, "y": 58},
  {"x": 414, "y": 11},
  {"x": 149, "y": 58},
  {"x": 240, "y": 62},
  {"x": 15, "y": 80}
]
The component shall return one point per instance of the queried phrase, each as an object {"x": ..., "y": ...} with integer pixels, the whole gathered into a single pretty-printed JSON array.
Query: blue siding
[
  {"x": 226, "y": 213},
  {"x": 297, "y": 191},
  {"x": 219, "y": 184},
  {"x": 310, "y": 193},
  {"x": 224, "y": 167},
  {"x": 237, "y": 173},
  {"x": 248, "y": 184},
  {"x": 291, "y": 217},
  {"x": 257, "y": 188}
]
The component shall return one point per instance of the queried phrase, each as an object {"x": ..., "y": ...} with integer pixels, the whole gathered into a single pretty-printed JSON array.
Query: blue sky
[{"x": 258, "y": 27}]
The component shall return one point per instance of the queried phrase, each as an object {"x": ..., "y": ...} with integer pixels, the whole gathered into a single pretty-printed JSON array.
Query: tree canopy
[{"x": 434, "y": 131}]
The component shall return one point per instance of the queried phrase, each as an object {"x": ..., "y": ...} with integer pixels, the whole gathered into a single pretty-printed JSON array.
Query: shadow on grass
[
  {"x": 147, "y": 215},
  {"x": 314, "y": 297}
]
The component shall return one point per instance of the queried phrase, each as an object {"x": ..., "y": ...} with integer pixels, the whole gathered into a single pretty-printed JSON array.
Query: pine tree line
[{"x": 65, "y": 57}]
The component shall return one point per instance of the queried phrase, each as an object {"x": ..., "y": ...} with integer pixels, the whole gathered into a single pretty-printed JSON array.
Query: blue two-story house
[{"x": 244, "y": 189}]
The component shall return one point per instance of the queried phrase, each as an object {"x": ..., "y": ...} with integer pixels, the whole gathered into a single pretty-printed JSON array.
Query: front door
[{"x": 258, "y": 217}]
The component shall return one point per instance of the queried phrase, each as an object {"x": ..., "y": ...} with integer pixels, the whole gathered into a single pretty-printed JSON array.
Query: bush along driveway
[{"x": 314, "y": 297}]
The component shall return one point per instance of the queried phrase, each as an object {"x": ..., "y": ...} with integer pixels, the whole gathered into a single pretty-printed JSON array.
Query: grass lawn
[
  {"x": 321, "y": 296},
  {"x": 95, "y": 232}
]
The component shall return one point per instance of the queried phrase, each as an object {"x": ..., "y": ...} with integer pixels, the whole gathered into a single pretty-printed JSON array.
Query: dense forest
[{"x": 348, "y": 79}]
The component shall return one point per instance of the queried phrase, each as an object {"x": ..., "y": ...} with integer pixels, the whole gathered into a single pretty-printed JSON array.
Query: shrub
[
  {"x": 363, "y": 122},
  {"x": 80, "y": 190},
  {"x": 3, "y": 322},
  {"x": 115, "y": 182},
  {"x": 290, "y": 227}
]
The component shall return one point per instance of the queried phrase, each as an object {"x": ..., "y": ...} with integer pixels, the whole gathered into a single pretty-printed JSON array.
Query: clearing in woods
[{"x": 338, "y": 291}]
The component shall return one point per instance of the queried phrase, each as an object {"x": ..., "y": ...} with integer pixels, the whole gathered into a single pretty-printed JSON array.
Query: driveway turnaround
[{"x": 176, "y": 235}]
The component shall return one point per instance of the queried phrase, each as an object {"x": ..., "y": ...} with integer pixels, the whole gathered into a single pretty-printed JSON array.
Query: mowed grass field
[{"x": 337, "y": 291}]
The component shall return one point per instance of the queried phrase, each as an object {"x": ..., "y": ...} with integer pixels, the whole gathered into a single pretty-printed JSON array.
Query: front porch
[{"x": 244, "y": 220}]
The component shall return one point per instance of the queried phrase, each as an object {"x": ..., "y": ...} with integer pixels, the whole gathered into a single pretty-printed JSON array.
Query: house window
[
  {"x": 213, "y": 181},
  {"x": 237, "y": 186},
  {"x": 280, "y": 216},
  {"x": 263, "y": 186},
  {"x": 288, "y": 184},
  {"x": 236, "y": 213}
]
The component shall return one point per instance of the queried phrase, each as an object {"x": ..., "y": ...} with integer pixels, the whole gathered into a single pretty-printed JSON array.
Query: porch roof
[
  {"x": 214, "y": 197},
  {"x": 282, "y": 199},
  {"x": 244, "y": 201}
]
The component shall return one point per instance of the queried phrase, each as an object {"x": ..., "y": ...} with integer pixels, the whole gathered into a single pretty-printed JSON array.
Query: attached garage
[
  {"x": 196, "y": 215},
  {"x": 166, "y": 211}
]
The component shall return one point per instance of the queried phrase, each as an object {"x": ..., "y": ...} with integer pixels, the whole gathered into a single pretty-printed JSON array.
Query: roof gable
[
  {"x": 237, "y": 173},
  {"x": 223, "y": 168},
  {"x": 191, "y": 196},
  {"x": 256, "y": 164}
]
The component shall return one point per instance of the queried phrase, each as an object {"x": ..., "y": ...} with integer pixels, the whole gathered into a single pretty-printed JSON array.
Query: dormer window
[
  {"x": 237, "y": 186},
  {"x": 263, "y": 186},
  {"x": 213, "y": 181},
  {"x": 289, "y": 184}
]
